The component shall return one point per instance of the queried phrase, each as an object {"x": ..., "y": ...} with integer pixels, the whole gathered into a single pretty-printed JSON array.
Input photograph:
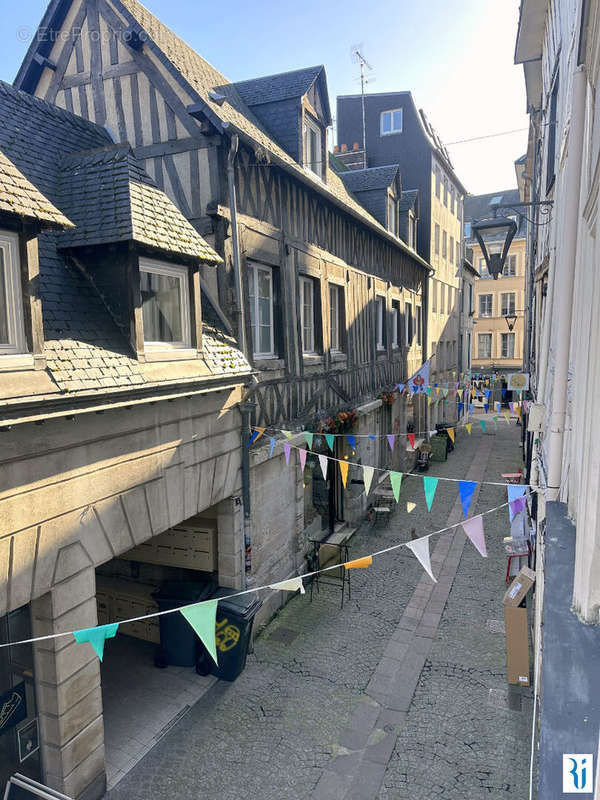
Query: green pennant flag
[
  {"x": 482, "y": 423},
  {"x": 330, "y": 440},
  {"x": 430, "y": 485},
  {"x": 445, "y": 392},
  {"x": 396, "y": 479},
  {"x": 203, "y": 618},
  {"x": 97, "y": 636},
  {"x": 428, "y": 390},
  {"x": 309, "y": 439},
  {"x": 496, "y": 418}
]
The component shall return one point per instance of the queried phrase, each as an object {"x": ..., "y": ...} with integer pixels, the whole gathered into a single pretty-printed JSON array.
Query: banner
[
  {"x": 359, "y": 563},
  {"x": 515, "y": 491},
  {"x": 420, "y": 380},
  {"x": 391, "y": 439},
  {"x": 344, "y": 471},
  {"x": 302, "y": 456},
  {"x": 323, "y": 461},
  {"x": 330, "y": 439},
  {"x": 309, "y": 439}
]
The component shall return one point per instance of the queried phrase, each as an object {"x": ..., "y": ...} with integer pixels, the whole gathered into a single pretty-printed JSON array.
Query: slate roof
[
  {"x": 478, "y": 207},
  {"x": 20, "y": 197},
  {"x": 274, "y": 88},
  {"x": 204, "y": 79},
  {"x": 408, "y": 200},
  {"x": 85, "y": 350},
  {"x": 109, "y": 196},
  {"x": 366, "y": 180}
]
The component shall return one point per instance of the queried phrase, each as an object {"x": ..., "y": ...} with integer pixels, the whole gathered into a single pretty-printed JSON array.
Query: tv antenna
[{"x": 357, "y": 56}]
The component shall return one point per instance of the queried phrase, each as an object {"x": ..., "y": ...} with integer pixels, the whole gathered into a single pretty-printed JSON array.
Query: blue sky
[{"x": 454, "y": 55}]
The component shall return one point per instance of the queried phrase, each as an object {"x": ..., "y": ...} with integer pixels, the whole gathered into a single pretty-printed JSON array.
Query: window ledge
[
  {"x": 175, "y": 354},
  {"x": 337, "y": 356},
  {"x": 311, "y": 359},
  {"x": 16, "y": 361},
  {"x": 268, "y": 362}
]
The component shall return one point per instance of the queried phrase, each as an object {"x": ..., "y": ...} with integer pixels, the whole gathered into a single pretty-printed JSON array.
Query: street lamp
[
  {"x": 498, "y": 228},
  {"x": 511, "y": 320}
]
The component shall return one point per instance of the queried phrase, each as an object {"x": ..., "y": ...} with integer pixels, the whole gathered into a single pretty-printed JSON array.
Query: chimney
[
  {"x": 344, "y": 148},
  {"x": 336, "y": 148},
  {"x": 355, "y": 146}
]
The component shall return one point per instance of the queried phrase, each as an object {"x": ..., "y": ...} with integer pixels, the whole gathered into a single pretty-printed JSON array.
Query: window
[
  {"x": 508, "y": 303},
  {"x": 307, "y": 310},
  {"x": 391, "y": 122},
  {"x": 434, "y": 294},
  {"x": 452, "y": 200},
  {"x": 437, "y": 239},
  {"x": 509, "y": 270},
  {"x": 393, "y": 215},
  {"x": 484, "y": 345},
  {"x": 468, "y": 351},
  {"x": 408, "y": 321},
  {"x": 380, "y": 310},
  {"x": 485, "y": 305},
  {"x": 438, "y": 182},
  {"x": 442, "y": 297},
  {"x": 412, "y": 230},
  {"x": 450, "y": 300},
  {"x": 470, "y": 301},
  {"x": 395, "y": 324},
  {"x": 336, "y": 317},
  {"x": 165, "y": 305},
  {"x": 260, "y": 292},
  {"x": 12, "y": 330},
  {"x": 452, "y": 249},
  {"x": 552, "y": 122},
  {"x": 467, "y": 230},
  {"x": 419, "y": 324},
  {"x": 313, "y": 151},
  {"x": 508, "y": 345},
  {"x": 457, "y": 253},
  {"x": 483, "y": 270},
  {"x": 446, "y": 192},
  {"x": 444, "y": 244}
]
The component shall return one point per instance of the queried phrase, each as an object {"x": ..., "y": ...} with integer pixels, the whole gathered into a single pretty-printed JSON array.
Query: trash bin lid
[
  {"x": 184, "y": 591},
  {"x": 243, "y": 605}
]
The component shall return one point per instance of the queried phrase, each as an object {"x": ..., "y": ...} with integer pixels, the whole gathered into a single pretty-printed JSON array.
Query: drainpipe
[
  {"x": 239, "y": 295},
  {"x": 246, "y": 409},
  {"x": 563, "y": 290}
]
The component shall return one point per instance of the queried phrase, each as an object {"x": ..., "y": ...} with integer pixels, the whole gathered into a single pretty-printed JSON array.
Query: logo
[{"x": 578, "y": 773}]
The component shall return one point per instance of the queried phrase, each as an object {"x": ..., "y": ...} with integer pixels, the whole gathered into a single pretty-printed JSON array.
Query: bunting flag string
[
  {"x": 344, "y": 471},
  {"x": 396, "y": 481},
  {"x": 430, "y": 485},
  {"x": 473, "y": 527},
  {"x": 202, "y": 616},
  {"x": 302, "y": 453},
  {"x": 515, "y": 492},
  {"x": 466, "y": 489},
  {"x": 368, "y": 473},
  {"x": 323, "y": 461}
]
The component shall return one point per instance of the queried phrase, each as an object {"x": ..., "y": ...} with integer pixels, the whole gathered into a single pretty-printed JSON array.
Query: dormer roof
[{"x": 282, "y": 86}]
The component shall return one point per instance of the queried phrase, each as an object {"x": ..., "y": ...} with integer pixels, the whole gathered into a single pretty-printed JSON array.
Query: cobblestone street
[{"x": 402, "y": 694}]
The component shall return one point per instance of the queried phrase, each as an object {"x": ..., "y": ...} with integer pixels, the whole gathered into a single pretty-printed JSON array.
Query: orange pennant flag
[
  {"x": 344, "y": 471},
  {"x": 359, "y": 563},
  {"x": 451, "y": 433},
  {"x": 260, "y": 432}
]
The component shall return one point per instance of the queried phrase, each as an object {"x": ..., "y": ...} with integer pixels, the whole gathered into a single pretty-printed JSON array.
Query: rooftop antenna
[{"x": 357, "y": 56}]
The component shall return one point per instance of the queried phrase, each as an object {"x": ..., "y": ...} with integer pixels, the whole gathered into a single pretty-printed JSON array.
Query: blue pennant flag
[
  {"x": 460, "y": 408},
  {"x": 487, "y": 393},
  {"x": 471, "y": 407},
  {"x": 253, "y": 437},
  {"x": 485, "y": 407},
  {"x": 351, "y": 441},
  {"x": 372, "y": 436},
  {"x": 399, "y": 387},
  {"x": 466, "y": 489},
  {"x": 503, "y": 394},
  {"x": 272, "y": 446}
]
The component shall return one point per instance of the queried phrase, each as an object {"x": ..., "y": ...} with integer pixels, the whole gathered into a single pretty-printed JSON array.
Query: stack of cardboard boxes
[{"x": 515, "y": 624}]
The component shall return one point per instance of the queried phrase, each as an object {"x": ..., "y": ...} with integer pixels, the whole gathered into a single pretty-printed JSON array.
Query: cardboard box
[
  {"x": 517, "y": 646},
  {"x": 519, "y": 587}
]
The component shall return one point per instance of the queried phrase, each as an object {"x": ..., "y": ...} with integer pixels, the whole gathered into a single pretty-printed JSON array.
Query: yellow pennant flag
[
  {"x": 507, "y": 417},
  {"x": 451, "y": 433},
  {"x": 344, "y": 471},
  {"x": 437, "y": 389},
  {"x": 359, "y": 563},
  {"x": 410, "y": 506},
  {"x": 429, "y": 400},
  {"x": 468, "y": 426},
  {"x": 287, "y": 434},
  {"x": 518, "y": 410},
  {"x": 473, "y": 394},
  {"x": 260, "y": 432}
]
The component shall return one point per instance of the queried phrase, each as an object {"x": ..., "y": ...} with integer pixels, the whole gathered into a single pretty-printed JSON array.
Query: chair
[{"x": 326, "y": 554}]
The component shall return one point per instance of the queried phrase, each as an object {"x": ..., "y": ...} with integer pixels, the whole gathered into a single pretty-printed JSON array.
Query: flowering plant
[
  {"x": 387, "y": 398},
  {"x": 343, "y": 421}
]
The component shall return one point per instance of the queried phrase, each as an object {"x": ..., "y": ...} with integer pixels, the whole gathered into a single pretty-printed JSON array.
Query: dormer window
[
  {"x": 392, "y": 215},
  {"x": 313, "y": 147},
  {"x": 390, "y": 122},
  {"x": 412, "y": 230},
  {"x": 12, "y": 329},
  {"x": 165, "y": 305}
]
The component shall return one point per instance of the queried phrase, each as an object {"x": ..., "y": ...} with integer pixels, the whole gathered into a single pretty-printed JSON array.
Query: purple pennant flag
[
  {"x": 512, "y": 407},
  {"x": 525, "y": 406},
  {"x": 272, "y": 446},
  {"x": 516, "y": 506},
  {"x": 286, "y": 450},
  {"x": 466, "y": 489},
  {"x": 515, "y": 492},
  {"x": 456, "y": 385},
  {"x": 391, "y": 439},
  {"x": 302, "y": 454},
  {"x": 474, "y": 529},
  {"x": 487, "y": 393},
  {"x": 351, "y": 441}
]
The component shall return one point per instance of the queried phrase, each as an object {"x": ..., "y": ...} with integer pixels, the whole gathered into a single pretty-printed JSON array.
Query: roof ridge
[{"x": 280, "y": 74}]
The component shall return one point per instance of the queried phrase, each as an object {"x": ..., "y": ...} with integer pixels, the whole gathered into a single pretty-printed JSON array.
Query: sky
[{"x": 455, "y": 56}]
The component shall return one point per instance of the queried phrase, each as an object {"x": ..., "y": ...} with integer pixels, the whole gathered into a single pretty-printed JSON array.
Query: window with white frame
[
  {"x": 452, "y": 249},
  {"x": 507, "y": 303},
  {"x": 408, "y": 322},
  {"x": 509, "y": 270},
  {"x": 457, "y": 253},
  {"x": 12, "y": 330},
  {"x": 484, "y": 347},
  {"x": 437, "y": 239},
  {"x": 444, "y": 244},
  {"x": 446, "y": 192},
  {"x": 438, "y": 181},
  {"x": 508, "y": 345},
  {"x": 313, "y": 150},
  {"x": 395, "y": 324},
  {"x": 485, "y": 305},
  {"x": 434, "y": 295},
  {"x": 392, "y": 215},
  {"x": 165, "y": 305},
  {"x": 483, "y": 270},
  {"x": 336, "y": 304},
  {"x": 391, "y": 121},
  {"x": 307, "y": 306},
  {"x": 380, "y": 312},
  {"x": 260, "y": 294}
]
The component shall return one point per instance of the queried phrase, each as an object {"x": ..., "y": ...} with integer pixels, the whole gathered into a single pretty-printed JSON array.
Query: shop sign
[
  {"x": 13, "y": 707},
  {"x": 29, "y": 739}
]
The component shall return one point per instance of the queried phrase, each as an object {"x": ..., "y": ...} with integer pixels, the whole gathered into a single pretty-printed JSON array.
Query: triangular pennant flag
[
  {"x": 457, "y": 384},
  {"x": 482, "y": 423},
  {"x": 514, "y": 492},
  {"x": 487, "y": 393},
  {"x": 399, "y": 387},
  {"x": 507, "y": 417},
  {"x": 359, "y": 563},
  {"x": 445, "y": 392},
  {"x": 471, "y": 407},
  {"x": 518, "y": 410},
  {"x": 430, "y": 485},
  {"x": 460, "y": 408},
  {"x": 420, "y": 548},
  {"x": 411, "y": 439},
  {"x": 450, "y": 433},
  {"x": 286, "y": 450},
  {"x": 518, "y": 505},
  {"x": 498, "y": 406},
  {"x": 309, "y": 439},
  {"x": 512, "y": 407},
  {"x": 437, "y": 389},
  {"x": 287, "y": 434},
  {"x": 367, "y": 478},
  {"x": 468, "y": 426},
  {"x": 446, "y": 402},
  {"x": 291, "y": 585},
  {"x": 428, "y": 390},
  {"x": 344, "y": 471},
  {"x": 486, "y": 407},
  {"x": 203, "y": 618},
  {"x": 330, "y": 439},
  {"x": 410, "y": 506},
  {"x": 351, "y": 441},
  {"x": 323, "y": 462},
  {"x": 466, "y": 489},
  {"x": 302, "y": 456},
  {"x": 260, "y": 431},
  {"x": 525, "y": 406},
  {"x": 503, "y": 394},
  {"x": 391, "y": 439},
  {"x": 496, "y": 418},
  {"x": 429, "y": 401},
  {"x": 97, "y": 636},
  {"x": 433, "y": 433},
  {"x": 372, "y": 437},
  {"x": 271, "y": 446},
  {"x": 474, "y": 529},
  {"x": 396, "y": 481},
  {"x": 253, "y": 437}
]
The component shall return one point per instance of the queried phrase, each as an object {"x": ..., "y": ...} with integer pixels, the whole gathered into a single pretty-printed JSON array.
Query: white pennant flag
[
  {"x": 368, "y": 477},
  {"x": 420, "y": 548},
  {"x": 323, "y": 462},
  {"x": 291, "y": 585}
]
